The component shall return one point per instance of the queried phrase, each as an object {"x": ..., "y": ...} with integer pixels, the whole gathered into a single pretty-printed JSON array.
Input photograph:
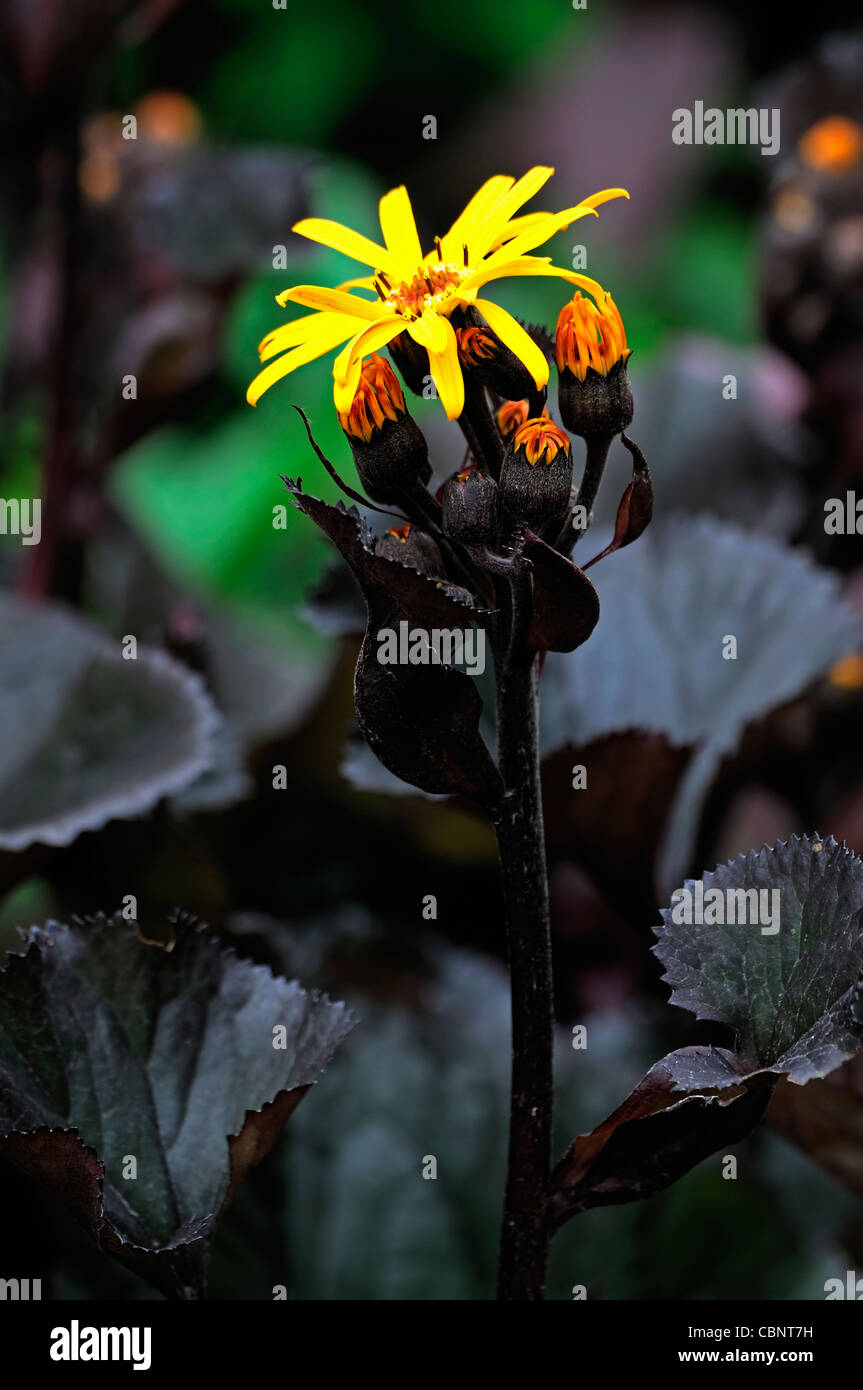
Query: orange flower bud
[
  {"x": 511, "y": 415},
  {"x": 541, "y": 439},
  {"x": 379, "y": 397},
  {"x": 590, "y": 336},
  {"x": 389, "y": 450},
  {"x": 594, "y": 396},
  {"x": 536, "y": 477}
]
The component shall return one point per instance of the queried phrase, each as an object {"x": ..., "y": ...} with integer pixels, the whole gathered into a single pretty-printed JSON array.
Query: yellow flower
[{"x": 417, "y": 293}]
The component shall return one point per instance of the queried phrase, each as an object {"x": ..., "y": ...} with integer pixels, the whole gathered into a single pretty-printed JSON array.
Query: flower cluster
[
  {"x": 491, "y": 546},
  {"x": 418, "y": 295}
]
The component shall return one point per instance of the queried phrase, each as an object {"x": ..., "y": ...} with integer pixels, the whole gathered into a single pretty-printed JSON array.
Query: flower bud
[
  {"x": 536, "y": 477},
  {"x": 469, "y": 505},
  {"x": 488, "y": 361},
  {"x": 595, "y": 396},
  {"x": 407, "y": 545},
  {"x": 512, "y": 414},
  {"x": 389, "y": 450}
]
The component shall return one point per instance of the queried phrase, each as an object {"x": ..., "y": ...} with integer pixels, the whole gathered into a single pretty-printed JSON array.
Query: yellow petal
[
  {"x": 584, "y": 282},
  {"x": 543, "y": 228},
  {"x": 343, "y": 395},
  {"x": 365, "y": 282},
  {"x": 526, "y": 266},
  {"x": 400, "y": 229},
  {"x": 429, "y": 331},
  {"x": 319, "y": 297},
  {"x": 349, "y": 363},
  {"x": 445, "y": 369},
  {"x": 298, "y": 358},
  {"x": 304, "y": 330},
  {"x": 523, "y": 189},
  {"x": 474, "y": 213},
  {"x": 516, "y": 339},
  {"x": 515, "y": 225},
  {"x": 267, "y": 378},
  {"x": 349, "y": 242},
  {"x": 596, "y": 199}
]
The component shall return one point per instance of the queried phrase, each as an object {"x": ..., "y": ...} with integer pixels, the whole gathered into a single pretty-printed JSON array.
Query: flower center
[{"x": 428, "y": 288}]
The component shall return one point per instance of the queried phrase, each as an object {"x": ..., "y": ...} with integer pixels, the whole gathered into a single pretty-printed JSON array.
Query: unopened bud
[
  {"x": 389, "y": 450},
  {"x": 595, "y": 396},
  {"x": 536, "y": 477},
  {"x": 469, "y": 506},
  {"x": 512, "y": 414},
  {"x": 488, "y": 361}
]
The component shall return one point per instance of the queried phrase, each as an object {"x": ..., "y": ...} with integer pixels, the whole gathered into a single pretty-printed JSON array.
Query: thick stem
[{"x": 524, "y": 1232}]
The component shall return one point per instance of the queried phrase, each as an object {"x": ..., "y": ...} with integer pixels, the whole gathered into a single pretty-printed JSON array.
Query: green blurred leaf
[
  {"x": 707, "y": 274},
  {"x": 20, "y": 443},
  {"x": 342, "y": 192},
  {"x": 205, "y": 505},
  {"x": 526, "y": 32},
  {"x": 291, "y": 74},
  {"x": 29, "y": 902}
]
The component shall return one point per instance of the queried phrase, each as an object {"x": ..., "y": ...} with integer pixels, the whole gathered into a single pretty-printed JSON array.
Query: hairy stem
[{"x": 524, "y": 1232}]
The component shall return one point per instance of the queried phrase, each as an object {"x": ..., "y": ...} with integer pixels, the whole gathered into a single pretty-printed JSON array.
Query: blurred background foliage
[{"x": 250, "y": 116}]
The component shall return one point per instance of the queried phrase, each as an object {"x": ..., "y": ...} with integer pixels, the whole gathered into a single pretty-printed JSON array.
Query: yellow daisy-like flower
[{"x": 416, "y": 293}]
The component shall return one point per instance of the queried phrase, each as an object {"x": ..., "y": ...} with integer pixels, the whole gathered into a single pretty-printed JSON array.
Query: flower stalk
[
  {"x": 525, "y": 1233},
  {"x": 490, "y": 549}
]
